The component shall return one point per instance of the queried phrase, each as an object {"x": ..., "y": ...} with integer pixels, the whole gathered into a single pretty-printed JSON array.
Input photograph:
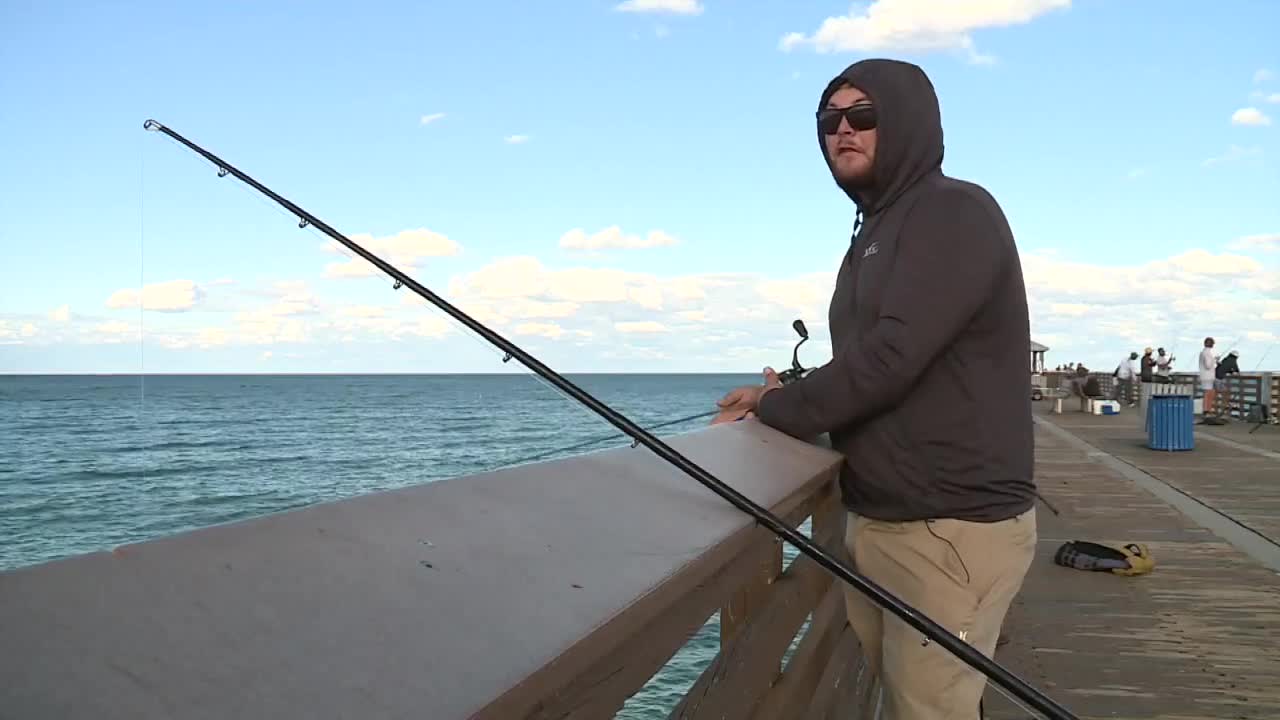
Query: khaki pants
[{"x": 963, "y": 575}]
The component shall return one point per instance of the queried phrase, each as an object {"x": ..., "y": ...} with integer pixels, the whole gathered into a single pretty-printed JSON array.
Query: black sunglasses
[{"x": 861, "y": 116}]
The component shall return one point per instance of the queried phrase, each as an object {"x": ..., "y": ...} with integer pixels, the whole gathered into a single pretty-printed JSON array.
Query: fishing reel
[{"x": 796, "y": 371}]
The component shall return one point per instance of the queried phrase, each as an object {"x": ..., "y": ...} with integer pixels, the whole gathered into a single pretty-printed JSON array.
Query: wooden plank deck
[
  {"x": 1244, "y": 484},
  {"x": 1196, "y": 638},
  {"x": 1266, "y": 437}
]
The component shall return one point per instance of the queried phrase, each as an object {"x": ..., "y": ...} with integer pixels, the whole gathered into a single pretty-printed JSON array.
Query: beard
[{"x": 864, "y": 179}]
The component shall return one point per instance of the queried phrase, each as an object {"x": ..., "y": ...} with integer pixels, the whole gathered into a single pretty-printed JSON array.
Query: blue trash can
[{"x": 1171, "y": 423}]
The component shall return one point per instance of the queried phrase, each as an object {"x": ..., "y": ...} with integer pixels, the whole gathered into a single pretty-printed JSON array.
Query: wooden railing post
[{"x": 750, "y": 597}]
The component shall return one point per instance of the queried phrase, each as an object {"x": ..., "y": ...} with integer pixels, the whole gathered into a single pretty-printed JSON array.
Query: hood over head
[{"x": 908, "y": 132}]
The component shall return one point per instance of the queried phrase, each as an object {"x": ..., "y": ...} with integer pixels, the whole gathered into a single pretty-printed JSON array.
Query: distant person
[
  {"x": 1164, "y": 365},
  {"x": 1208, "y": 366},
  {"x": 939, "y": 488},
  {"x": 1126, "y": 373},
  {"x": 1147, "y": 371},
  {"x": 1227, "y": 367}
]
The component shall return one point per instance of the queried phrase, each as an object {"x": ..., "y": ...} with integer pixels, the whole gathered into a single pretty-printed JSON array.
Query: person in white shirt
[
  {"x": 1125, "y": 375},
  {"x": 1208, "y": 363},
  {"x": 1164, "y": 364}
]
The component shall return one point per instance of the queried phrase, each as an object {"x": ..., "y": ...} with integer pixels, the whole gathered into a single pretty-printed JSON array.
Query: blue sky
[{"x": 1133, "y": 145}]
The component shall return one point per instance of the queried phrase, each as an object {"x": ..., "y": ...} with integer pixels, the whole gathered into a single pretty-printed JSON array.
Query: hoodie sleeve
[{"x": 951, "y": 251}]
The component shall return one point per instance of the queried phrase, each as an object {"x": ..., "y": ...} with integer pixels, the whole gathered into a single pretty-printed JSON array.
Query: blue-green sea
[{"x": 90, "y": 462}]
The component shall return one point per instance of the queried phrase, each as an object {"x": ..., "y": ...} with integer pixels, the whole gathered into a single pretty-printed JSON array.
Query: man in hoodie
[{"x": 926, "y": 392}]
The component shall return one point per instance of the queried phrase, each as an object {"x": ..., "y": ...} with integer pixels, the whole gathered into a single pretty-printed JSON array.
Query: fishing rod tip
[{"x": 151, "y": 125}]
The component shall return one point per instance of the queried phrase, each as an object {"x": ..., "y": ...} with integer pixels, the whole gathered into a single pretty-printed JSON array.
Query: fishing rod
[{"x": 931, "y": 629}]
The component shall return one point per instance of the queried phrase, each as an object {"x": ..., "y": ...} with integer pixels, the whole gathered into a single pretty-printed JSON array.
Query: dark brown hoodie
[{"x": 927, "y": 394}]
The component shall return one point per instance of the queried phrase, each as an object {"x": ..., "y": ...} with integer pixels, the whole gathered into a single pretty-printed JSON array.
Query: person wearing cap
[{"x": 1148, "y": 365}]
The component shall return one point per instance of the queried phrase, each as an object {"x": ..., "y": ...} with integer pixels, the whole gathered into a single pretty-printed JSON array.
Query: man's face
[{"x": 850, "y": 147}]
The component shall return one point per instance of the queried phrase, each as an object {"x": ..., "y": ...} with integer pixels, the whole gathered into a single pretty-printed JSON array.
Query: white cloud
[
  {"x": 516, "y": 139},
  {"x": 1095, "y": 313},
  {"x": 548, "y": 330},
  {"x": 404, "y": 250},
  {"x": 114, "y": 332},
  {"x": 918, "y": 25},
  {"x": 1267, "y": 97},
  {"x": 1075, "y": 310},
  {"x": 1249, "y": 116},
  {"x": 61, "y": 314},
  {"x": 428, "y": 119},
  {"x": 16, "y": 333},
  {"x": 601, "y": 317},
  {"x": 1262, "y": 75},
  {"x": 363, "y": 311},
  {"x": 1233, "y": 154},
  {"x": 674, "y": 7},
  {"x": 171, "y": 296},
  {"x": 1269, "y": 242},
  {"x": 612, "y": 237},
  {"x": 642, "y": 326},
  {"x": 807, "y": 295},
  {"x": 202, "y": 338},
  {"x": 1185, "y": 274}
]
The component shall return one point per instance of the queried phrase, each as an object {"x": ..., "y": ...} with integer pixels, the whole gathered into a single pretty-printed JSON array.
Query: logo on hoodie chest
[{"x": 872, "y": 249}]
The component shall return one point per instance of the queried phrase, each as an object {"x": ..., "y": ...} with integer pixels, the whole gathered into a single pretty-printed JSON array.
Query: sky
[{"x": 614, "y": 186}]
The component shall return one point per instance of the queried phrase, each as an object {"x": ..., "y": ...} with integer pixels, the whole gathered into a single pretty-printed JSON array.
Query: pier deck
[{"x": 1196, "y": 638}]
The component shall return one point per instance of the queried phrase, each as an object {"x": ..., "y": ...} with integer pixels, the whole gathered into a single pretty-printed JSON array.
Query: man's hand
[{"x": 741, "y": 403}]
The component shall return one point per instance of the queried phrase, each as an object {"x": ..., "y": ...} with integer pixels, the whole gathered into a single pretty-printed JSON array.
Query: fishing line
[
  {"x": 604, "y": 438},
  {"x": 931, "y": 629},
  {"x": 142, "y": 284}
]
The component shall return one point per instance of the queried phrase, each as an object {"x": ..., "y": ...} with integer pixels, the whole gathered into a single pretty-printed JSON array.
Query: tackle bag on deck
[{"x": 1127, "y": 559}]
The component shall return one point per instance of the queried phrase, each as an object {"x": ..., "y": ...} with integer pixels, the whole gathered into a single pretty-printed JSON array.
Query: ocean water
[{"x": 91, "y": 462}]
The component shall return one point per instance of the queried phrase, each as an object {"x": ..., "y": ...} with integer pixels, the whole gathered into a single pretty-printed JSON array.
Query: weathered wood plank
[
  {"x": 800, "y": 678},
  {"x": 744, "y": 669},
  {"x": 1194, "y": 639},
  {"x": 748, "y": 665},
  {"x": 644, "y": 650},
  {"x": 753, "y": 595},
  {"x": 840, "y": 669}
]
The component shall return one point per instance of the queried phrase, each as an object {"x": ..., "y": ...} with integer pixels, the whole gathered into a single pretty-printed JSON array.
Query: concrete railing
[
  {"x": 1244, "y": 390},
  {"x": 552, "y": 590}
]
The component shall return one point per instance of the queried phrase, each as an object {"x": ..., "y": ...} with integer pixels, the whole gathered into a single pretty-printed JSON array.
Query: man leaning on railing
[{"x": 926, "y": 394}]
